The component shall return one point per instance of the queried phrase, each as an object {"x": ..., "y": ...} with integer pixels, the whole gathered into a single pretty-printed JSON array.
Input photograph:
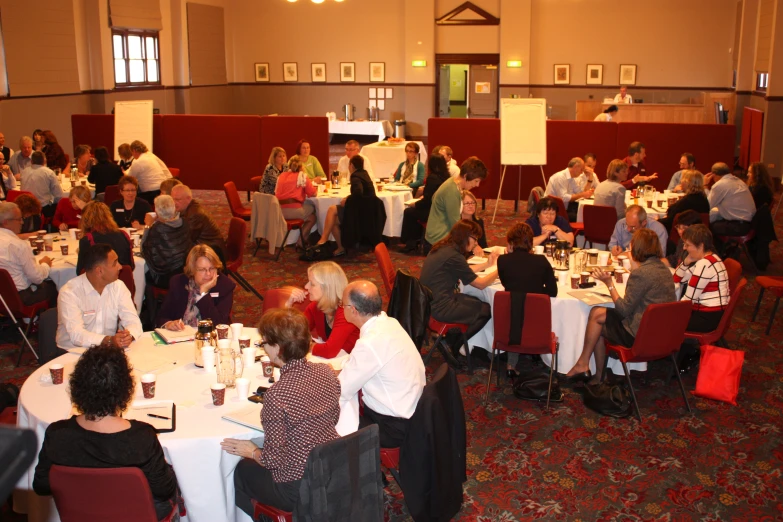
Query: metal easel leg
[{"x": 497, "y": 201}]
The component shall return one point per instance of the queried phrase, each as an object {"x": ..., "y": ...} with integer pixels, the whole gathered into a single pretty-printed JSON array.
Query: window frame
[
  {"x": 143, "y": 34},
  {"x": 762, "y": 81}
]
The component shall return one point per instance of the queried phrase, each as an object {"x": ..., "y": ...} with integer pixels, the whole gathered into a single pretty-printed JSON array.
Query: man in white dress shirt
[
  {"x": 572, "y": 184},
  {"x": 384, "y": 364},
  {"x": 451, "y": 163},
  {"x": 351, "y": 150},
  {"x": 149, "y": 170},
  {"x": 623, "y": 96},
  {"x": 16, "y": 256},
  {"x": 96, "y": 308}
]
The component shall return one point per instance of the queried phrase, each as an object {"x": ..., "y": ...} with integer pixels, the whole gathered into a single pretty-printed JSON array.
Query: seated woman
[
  {"x": 102, "y": 387},
  {"x": 38, "y": 140},
  {"x": 548, "y": 226},
  {"x": 361, "y": 186},
  {"x": 411, "y": 171},
  {"x": 650, "y": 283},
  {"x": 165, "y": 244},
  {"x": 202, "y": 292},
  {"x": 31, "y": 214},
  {"x": 99, "y": 227},
  {"x": 126, "y": 156},
  {"x": 129, "y": 211},
  {"x": 277, "y": 165},
  {"x": 446, "y": 266},
  {"x": 610, "y": 192},
  {"x": 82, "y": 157},
  {"x": 412, "y": 231},
  {"x": 104, "y": 172},
  {"x": 470, "y": 213},
  {"x": 522, "y": 271},
  {"x": 683, "y": 220},
  {"x": 325, "y": 284},
  {"x": 310, "y": 163},
  {"x": 55, "y": 155},
  {"x": 292, "y": 190},
  {"x": 760, "y": 184},
  {"x": 292, "y": 428},
  {"x": 704, "y": 279},
  {"x": 69, "y": 211},
  {"x": 692, "y": 182}
]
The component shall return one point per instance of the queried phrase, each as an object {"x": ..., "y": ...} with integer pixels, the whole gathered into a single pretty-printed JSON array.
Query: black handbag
[
  {"x": 533, "y": 385},
  {"x": 612, "y": 400},
  {"x": 316, "y": 253}
]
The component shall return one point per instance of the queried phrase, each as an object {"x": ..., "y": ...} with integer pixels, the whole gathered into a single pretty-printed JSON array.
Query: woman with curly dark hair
[
  {"x": 55, "y": 155},
  {"x": 102, "y": 387}
]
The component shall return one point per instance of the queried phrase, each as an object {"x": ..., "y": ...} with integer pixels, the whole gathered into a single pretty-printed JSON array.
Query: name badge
[
  {"x": 214, "y": 294},
  {"x": 79, "y": 216},
  {"x": 89, "y": 314},
  {"x": 120, "y": 210}
]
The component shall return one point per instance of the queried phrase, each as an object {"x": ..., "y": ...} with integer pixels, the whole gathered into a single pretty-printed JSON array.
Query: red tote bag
[{"x": 719, "y": 374}]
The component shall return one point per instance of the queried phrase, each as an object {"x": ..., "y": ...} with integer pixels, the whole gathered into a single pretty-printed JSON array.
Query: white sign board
[
  {"x": 132, "y": 121},
  {"x": 523, "y": 131}
]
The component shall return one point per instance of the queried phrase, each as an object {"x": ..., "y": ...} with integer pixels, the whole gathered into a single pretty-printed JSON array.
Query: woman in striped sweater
[{"x": 704, "y": 279}]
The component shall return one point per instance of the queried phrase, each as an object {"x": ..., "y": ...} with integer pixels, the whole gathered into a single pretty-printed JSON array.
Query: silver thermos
[
  {"x": 348, "y": 110},
  {"x": 372, "y": 114}
]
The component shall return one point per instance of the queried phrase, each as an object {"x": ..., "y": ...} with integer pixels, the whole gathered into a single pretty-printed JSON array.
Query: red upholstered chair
[
  {"x": 742, "y": 241},
  {"x": 255, "y": 182},
  {"x": 716, "y": 336},
  {"x": 600, "y": 221},
  {"x": 290, "y": 224},
  {"x": 116, "y": 494},
  {"x": 775, "y": 285},
  {"x": 386, "y": 267},
  {"x": 674, "y": 236},
  {"x": 277, "y": 298},
  {"x": 235, "y": 252},
  {"x": 277, "y": 515},
  {"x": 734, "y": 272},
  {"x": 174, "y": 172},
  {"x": 18, "y": 309},
  {"x": 126, "y": 276},
  {"x": 561, "y": 210},
  {"x": 660, "y": 335},
  {"x": 111, "y": 194},
  {"x": 237, "y": 210},
  {"x": 537, "y": 334},
  {"x": 390, "y": 459},
  {"x": 441, "y": 329},
  {"x": 11, "y": 196}
]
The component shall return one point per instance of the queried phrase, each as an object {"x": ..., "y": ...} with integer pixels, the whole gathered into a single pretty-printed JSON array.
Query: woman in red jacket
[
  {"x": 325, "y": 285},
  {"x": 69, "y": 211}
]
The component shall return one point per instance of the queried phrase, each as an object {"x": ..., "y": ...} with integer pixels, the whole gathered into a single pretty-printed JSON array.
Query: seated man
[
  {"x": 731, "y": 203},
  {"x": 20, "y": 160},
  {"x": 149, "y": 170},
  {"x": 447, "y": 154},
  {"x": 571, "y": 185},
  {"x": 636, "y": 169},
  {"x": 30, "y": 276},
  {"x": 635, "y": 218},
  {"x": 166, "y": 186},
  {"x": 351, "y": 150},
  {"x": 5, "y": 152},
  {"x": 203, "y": 229},
  {"x": 687, "y": 162},
  {"x": 96, "y": 308},
  {"x": 384, "y": 364},
  {"x": 43, "y": 183}
]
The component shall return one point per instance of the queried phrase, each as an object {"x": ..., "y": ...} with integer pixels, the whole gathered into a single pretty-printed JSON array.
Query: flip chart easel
[{"x": 133, "y": 121}]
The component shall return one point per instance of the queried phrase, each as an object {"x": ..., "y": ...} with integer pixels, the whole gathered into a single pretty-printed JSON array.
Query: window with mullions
[{"x": 136, "y": 58}]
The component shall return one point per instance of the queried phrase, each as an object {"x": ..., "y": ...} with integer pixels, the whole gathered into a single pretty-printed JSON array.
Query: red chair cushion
[
  {"x": 390, "y": 457},
  {"x": 293, "y": 224},
  {"x": 275, "y": 514},
  {"x": 442, "y": 328},
  {"x": 771, "y": 283}
]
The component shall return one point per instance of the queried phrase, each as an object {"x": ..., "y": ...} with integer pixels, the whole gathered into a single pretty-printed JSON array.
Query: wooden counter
[{"x": 698, "y": 112}]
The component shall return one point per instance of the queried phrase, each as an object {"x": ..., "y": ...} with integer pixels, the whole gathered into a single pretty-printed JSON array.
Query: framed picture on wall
[
  {"x": 595, "y": 74},
  {"x": 377, "y": 71},
  {"x": 347, "y": 70},
  {"x": 627, "y": 74},
  {"x": 562, "y": 74},
  {"x": 262, "y": 72},
  {"x": 317, "y": 72},
  {"x": 289, "y": 72}
]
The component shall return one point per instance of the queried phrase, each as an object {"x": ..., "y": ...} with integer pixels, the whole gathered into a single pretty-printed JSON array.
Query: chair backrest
[
  {"x": 536, "y": 330},
  {"x": 561, "y": 208},
  {"x": 111, "y": 194},
  {"x": 728, "y": 313},
  {"x": 255, "y": 182},
  {"x": 116, "y": 494},
  {"x": 734, "y": 273},
  {"x": 674, "y": 236},
  {"x": 10, "y": 294},
  {"x": 386, "y": 267},
  {"x": 11, "y": 196},
  {"x": 233, "y": 197},
  {"x": 235, "y": 243},
  {"x": 277, "y": 298},
  {"x": 174, "y": 172},
  {"x": 126, "y": 276},
  {"x": 600, "y": 221},
  {"x": 662, "y": 330},
  {"x": 536, "y": 198}
]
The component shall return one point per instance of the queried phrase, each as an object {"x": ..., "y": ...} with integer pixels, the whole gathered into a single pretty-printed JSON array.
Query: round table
[
  {"x": 66, "y": 185},
  {"x": 656, "y": 212}
]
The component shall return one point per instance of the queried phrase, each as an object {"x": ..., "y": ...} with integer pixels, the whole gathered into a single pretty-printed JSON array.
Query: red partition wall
[
  {"x": 286, "y": 131},
  {"x": 97, "y": 130},
  {"x": 212, "y": 149},
  {"x": 665, "y": 143}
]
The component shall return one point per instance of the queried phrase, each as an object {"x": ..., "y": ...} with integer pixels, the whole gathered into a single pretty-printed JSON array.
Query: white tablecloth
[
  {"x": 377, "y": 128},
  {"x": 658, "y": 211},
  {"x": 393, "y": 201},
  {"x": 66, "y": 185},
  {"x": 64, "y": 267},
  {"x": 385, "y": 157}
]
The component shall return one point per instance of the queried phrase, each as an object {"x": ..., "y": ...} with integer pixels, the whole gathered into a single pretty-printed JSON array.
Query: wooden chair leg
[
  {"x": 679, "y": 379},
  {"x": 758, "y": 304},
  {"x": 633, "y": 394},
  {"x": 772, "y": 315}
]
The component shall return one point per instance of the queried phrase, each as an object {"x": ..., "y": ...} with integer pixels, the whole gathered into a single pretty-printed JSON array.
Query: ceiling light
[{"x": 514, "y": 63}]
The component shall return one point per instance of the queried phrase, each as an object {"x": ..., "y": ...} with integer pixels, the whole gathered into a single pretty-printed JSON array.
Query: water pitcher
[{"x": 228, "y": 366}]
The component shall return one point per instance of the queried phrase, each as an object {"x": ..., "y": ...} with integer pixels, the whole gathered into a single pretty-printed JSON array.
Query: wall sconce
[
  {"x": 419, "y": 63},
  {"x": 514, "y": 63}
]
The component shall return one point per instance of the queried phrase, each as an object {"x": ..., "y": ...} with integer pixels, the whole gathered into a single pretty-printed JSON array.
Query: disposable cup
[
  {"x": 593, "y": 256},
  {"x": 244, "y": 342},
  {"x": 243, "y": 387},
  {"x": 48, "y": 244},
  {"x": 539, "y": 249},
  {"x": 208, "y": 356},
  {"x": 575, "y": 281},
  {"x": 585, "y": 276},
  {"x": 64, "y": 249},
  {"x": 72, "y": 232},
  {"x": 218, "y": 393},
  {"x": 266, "y": 364},
  {"x": 148, "y": 381},
  {"x": 603, "y": 258},
  {"x": 248, "y": 357},
  {"x": 562, "y": 277},
  {"x": 222, "y": 331},
  {"x": 236, "y": 330},
  {"x": 41, "y": 234},
  {"x": 619, "y": 274},
  {"x": 224, "y": 343},
  {"x": 57, "y": 371}
]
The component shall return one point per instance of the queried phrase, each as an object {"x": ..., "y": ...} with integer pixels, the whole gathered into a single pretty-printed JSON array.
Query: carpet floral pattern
[{"x": 524, "y": 463}]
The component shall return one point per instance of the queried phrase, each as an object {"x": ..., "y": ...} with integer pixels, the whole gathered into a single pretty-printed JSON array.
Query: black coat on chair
[
  {"x": 410, "y": 305},
  {"x": 363, "y": 220}
]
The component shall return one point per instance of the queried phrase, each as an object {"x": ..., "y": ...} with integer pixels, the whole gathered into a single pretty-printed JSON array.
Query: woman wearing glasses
[
  {"x": 130, "y": 210},
  {"x": 470, "y": 212},
  {"x": 202, "y": 292}
]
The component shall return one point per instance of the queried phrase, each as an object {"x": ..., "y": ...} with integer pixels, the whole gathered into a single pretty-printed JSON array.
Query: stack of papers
[
  {"x": 170, "y": 337},
  {"x": 249, "y": 416}
]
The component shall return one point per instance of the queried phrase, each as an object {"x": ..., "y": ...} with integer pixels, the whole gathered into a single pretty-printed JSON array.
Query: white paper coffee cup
[{"x": 243, "y": 387}]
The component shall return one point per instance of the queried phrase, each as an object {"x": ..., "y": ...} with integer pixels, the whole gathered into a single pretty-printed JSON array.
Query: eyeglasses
[
  {"x": 474, "y": 238},
  {"x": 468, "y": 203},
  {"x": 129, "y": 190},
  {"x": 347, "y": 306},
  {"x": 206, "y": 270}
]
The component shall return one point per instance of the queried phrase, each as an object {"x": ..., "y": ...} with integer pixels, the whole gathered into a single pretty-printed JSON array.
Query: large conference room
[{"x": 391, "y": 260}]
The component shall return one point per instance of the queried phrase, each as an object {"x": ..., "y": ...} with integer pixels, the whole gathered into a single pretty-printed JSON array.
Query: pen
[{"x": 158, "y": 416}]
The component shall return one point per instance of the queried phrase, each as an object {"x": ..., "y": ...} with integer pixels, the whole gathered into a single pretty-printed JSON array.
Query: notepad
[
  {"x": 140, "y": 410},
  {"x": 248, "y": 416},
  {"x": 590, "y": 297},
  {"x": 171, "y": 337}
]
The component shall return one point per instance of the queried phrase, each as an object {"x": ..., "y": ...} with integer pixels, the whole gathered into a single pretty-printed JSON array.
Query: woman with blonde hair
[
  {"x": 99, "y": 227},
  {"x": 325, "y": 284},
  {"x": 201, "y": 292},
  {"x": 611, "y": 192},
  {"x": 692, "y": 182},
  {"x": 277, "y": 165},
  {"x": 69, "y": 211},
  {"x": 292, "y": 190}
]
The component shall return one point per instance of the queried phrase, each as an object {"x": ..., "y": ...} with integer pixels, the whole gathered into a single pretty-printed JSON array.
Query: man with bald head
[
  {"x": 384, "y": 364},
  {"x": 572, "y": 184}
]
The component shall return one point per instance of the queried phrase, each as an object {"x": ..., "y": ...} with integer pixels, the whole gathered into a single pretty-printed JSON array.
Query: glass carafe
[
  {"x": 204, "y": 337},
  {"x": 580, "y": 261},
  {"x": 228, "y": 366}
]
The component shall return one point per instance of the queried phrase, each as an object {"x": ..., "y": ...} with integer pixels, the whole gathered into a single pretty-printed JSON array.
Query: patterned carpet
[{"x": 720, "y": 463}]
